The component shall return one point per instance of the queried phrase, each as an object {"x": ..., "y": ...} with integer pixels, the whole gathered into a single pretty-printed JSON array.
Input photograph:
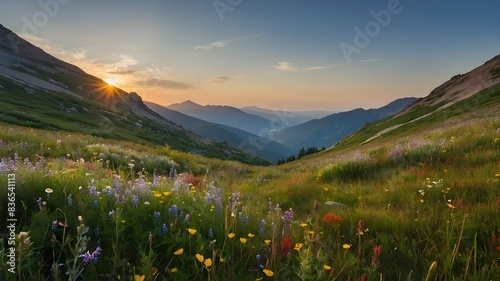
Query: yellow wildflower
[
  {"x": 243, "y": 240},
  {"x": 139, "y": 277},
  {"x": 327, "y": 267},
  {"x": 268, "y": 272},
  {"x": 267, "y": 241},
  {"x": 192, "y": 231},
  {"x": 346, "y": 246},
  {"x": 298, "y": 246},
  {"x": 199, "y": 257},
  {"x": 173, "y": 270},
  {"x": 179, "y": 252},
  {"x": 208, "y": 262},
  {"x": 251, "y": 235},
  {"x": 230, "y": 235}
]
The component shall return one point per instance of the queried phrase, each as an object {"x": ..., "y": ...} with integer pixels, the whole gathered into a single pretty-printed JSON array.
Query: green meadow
[{"x": 424, "y": 206}]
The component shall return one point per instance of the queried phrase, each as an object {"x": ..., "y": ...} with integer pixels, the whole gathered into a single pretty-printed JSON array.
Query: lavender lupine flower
[
  {"x": 156, "y": 180},
  {"x": 188, "y": 217},
  {"x": 164, "y": 228},
  {"x": 156, "y": 215},
  {"x": 257, "y": 258},
  {"x": 54, "y": 225},
  {"x": 39, "y": 201},
  {"x": 93, "y": 191},
  {"x": 96, "y": 203},
  {"x": 288, "y": 217},
  {"x": 262, "y": 227},
  {"x": 173, "y": 211},
  {"x": 88, "y": 257},
  {"x": 135, "y": 200},
  {"x": 70, "y": 201},
  {"x": 117, "y": 185},
  {"x": 210, "y": 233},
  {"x": 96, "y": 232}
]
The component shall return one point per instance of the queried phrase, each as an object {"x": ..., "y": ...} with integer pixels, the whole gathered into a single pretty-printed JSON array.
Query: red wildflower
[
  {"x": 332, "y": 219},
  {"x": 363, "y": 278},
  {"x": 286, "y": 246},
  {"x": 498, "y": 248},
  {"x": 376, "y": 255}
]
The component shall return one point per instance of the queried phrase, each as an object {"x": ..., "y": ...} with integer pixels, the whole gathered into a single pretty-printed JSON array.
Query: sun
[{"x": 111, "y": 81}]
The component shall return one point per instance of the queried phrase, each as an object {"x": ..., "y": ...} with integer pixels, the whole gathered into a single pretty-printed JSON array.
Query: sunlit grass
[{"x": 424, "y": 208}]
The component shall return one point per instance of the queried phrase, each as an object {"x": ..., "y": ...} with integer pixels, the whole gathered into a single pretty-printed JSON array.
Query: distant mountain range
[
  {"x": 283, "y": 128},
  {"x": 248, "y": 142},
  {"x": 328, "y": 130}
]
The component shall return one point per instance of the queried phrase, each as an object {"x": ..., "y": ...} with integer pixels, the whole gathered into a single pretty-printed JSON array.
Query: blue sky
[{"x": 278, "y": 54}]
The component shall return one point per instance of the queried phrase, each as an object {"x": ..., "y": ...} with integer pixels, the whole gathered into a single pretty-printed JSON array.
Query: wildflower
[
  {"x": 147, "y": 203},
  {"x": 327, "y": 267},
  {"x": 251, "y": 235},
  {"x": 157, "y": 195},
  {"x": 286, "y": 245},
  {"x": 153, "y": 271},
  {"x": 139, "y": 277},
  {"x": 156, "y": 215},
  {"x": 361, "y": 227},
  {"x": 80, "y": 218},
  {"x": 267, "y": 241},
  {"x": 268, "y": 272},
  {"x": 208, "y": 262},
  {"x": 199, "y": 257},
  {"x": 376, "y": 255},
  {"x": 39, "y": 201},
  {"x": 346, "y": 246},
  {"x": 303, "y": 224},
  {"x": 54, "y": 225},
  {"x": 48, "y": 190},
  {"x": 164, "y": 229},
  {"x": 166, "y": 193},
  {"x": 95, "y": 203},
  {"x": 70, "y": 201},
  {"x": 173, "y": 211},
  {"x": 243, "y": 240},
  {"x": 187, "y": 217},
  {"x": 135, "y": 200},
  {"x": 210, "y": 233},
  {"x": 179, "y": 252},
  {"x": 192, "y": 231},
  {"x": 173, "y": 270},
  {"x": 231, "y": 235},
  {"x": 450, "y": 206},
  {"x": 298, "y": 246},
  {"x": 257, "y": 258},
  {"x": 332, "y": 219}
]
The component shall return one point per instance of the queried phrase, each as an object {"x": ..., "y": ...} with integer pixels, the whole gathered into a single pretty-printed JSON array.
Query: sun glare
[{"x": 111, "y": 81}]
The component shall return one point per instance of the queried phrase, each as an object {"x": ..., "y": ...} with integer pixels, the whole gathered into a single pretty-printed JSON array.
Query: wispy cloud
[
  {"x": 285, "y": 66},
  {"x": 221, "y": 79},
  {"x": 124, "y": 72},
  {"x": 371, "y": 60},
  {"x": 223, "y": 43},
  {"x": 164, "y": 83},
  {"x": 320, "y": 67}
]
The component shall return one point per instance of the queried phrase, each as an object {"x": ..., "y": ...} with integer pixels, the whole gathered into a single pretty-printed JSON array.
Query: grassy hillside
[
  {"x": 30, "y": 106},
  {"x": 423, "y": 206}
]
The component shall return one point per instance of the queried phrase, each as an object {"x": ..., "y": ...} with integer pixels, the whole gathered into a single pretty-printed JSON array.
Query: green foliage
[{"x": 421, "y": 208}]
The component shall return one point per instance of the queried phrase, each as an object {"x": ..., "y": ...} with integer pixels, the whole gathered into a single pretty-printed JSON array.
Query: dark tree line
[{"x": 302, "y": 152}]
